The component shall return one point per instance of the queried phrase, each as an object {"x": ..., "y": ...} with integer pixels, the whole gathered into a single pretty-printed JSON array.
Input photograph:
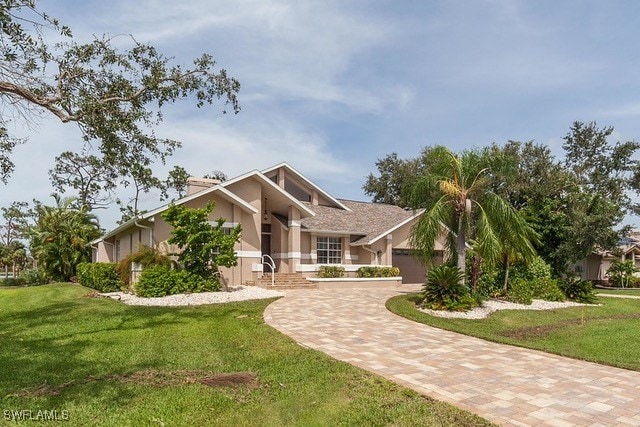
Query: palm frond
[
  {"x": 430, "y": 225},
  {"x": 487, "y": 242}
]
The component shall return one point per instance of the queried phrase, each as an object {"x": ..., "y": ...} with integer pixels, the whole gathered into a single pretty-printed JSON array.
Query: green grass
[
  {"x": 108, "y": 364},
  {"x": 606, "y": 334},
  {"x": 634, "y": 291}
]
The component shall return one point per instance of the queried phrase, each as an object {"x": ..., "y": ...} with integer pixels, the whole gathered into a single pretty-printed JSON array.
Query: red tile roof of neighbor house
[{"x": 366, "y": 219}]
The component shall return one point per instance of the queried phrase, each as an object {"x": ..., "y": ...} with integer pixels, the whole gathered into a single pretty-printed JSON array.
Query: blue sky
[{"x": 331, "y": 86}]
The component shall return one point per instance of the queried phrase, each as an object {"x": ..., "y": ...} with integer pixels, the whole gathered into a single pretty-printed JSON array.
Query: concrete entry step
[{"x": 286, "y": 281}]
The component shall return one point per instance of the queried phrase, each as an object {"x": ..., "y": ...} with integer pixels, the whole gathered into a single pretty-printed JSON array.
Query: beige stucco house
[
  {"x": 289, "y": 218},
  {"x": 596, "y": 265}
]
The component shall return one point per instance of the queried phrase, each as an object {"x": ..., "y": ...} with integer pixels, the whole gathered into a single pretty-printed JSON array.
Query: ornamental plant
[
  {"x": 621, "y": 273},
  {"x": 444, "y": 288},
  {"x": 330, "y": 271},
  {"x": 204, "y": 245}
]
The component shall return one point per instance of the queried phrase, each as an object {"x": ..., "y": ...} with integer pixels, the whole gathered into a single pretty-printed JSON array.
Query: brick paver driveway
[{"x": 508, "y": 385}]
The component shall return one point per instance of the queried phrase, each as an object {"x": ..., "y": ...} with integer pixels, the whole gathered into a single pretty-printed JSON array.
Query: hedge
[
  {"x": 374, "y": 271},
  {"x": 330, "y": 271},
  {"x": 101, "y": 276},
  {"x": 161, "y": 280}
]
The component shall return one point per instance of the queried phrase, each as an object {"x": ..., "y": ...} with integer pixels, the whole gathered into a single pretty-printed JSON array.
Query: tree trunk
[
  {"x": 506, "y": 272},
  {"x": 462, "y": 243},
  {"x": 475, "y": 272},
  {"x": 462, "y": 248}
]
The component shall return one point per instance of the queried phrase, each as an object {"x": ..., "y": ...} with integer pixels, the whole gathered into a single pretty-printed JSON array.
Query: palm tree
[
  {"x": 457, "y": 200},
  {"x": 60, "y": 237}
]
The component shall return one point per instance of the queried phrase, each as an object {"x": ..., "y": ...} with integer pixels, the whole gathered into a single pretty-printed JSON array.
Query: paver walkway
[{"x": 505, "y": 384}]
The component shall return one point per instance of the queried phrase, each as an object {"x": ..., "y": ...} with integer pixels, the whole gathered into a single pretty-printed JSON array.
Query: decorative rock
[
  {"x": 240, "y": 293},
  {"x": 492, "y": 305}
]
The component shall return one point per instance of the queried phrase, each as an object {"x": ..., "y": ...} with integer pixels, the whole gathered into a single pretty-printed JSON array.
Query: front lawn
[
  {"x": 605, "y": 334},
  {"x": 628, "y": 291},
  {"x": 99, "y": 362}
]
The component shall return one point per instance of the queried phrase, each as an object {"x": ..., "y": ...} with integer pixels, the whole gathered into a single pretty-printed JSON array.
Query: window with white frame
[{"x": 329, "y": 250}]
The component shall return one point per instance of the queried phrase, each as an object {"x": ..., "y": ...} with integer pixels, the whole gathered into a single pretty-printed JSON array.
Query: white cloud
[
  {"x": 238, "y": 148},
  {"x": 285, "y": 50}
]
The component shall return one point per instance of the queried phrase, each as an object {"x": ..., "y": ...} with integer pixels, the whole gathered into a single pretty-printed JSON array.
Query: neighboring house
[
  {"x": 286, "y": 216},
  {"x": 596, "y": 265}
]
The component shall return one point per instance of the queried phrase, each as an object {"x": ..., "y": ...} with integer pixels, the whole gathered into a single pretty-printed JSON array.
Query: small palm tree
[
  {"x": 444, "y": 283},
  {"x": 457, "y": 200},
  {"x": 60, "y": 237}
]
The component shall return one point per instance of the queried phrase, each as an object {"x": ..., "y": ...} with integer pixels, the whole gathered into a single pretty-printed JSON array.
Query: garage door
[{"x": 411, "y": 270}]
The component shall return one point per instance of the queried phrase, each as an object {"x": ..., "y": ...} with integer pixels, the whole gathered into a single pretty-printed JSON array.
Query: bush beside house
[
  {"x": 204, "y": 247},
  {"x": 145, "y": 257},
  {"x": 160, "y": 281},
  {"x": 101, "y": 276},
  {"x": 330, "y": 272},
  {"x": 375, "y": 271}
]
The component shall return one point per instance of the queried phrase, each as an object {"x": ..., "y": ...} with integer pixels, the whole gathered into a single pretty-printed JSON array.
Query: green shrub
[
  {"x": 145, "y": 256},
  {"x": 389, "y": 272},
  {"x": 101, "y": 276},
  {"x": 520, "y": 291},
  {"x": 464, "y": 303},
  {"x": 367, "y": 271},
  {"x": 578, "y": 290},
  {"x": 330, "y": 271},
  {"x": 547, "y": 289},
  {"x": 12, "y": 281},
  {"x": 489, "y": 284},
  {"x": 160, "y": 280},
  {"x": 536, "y": 269},
  {"x": 34, "y": 277},
  {"x": 375, "y": 271},
  {"x": 443, "y": 288}
]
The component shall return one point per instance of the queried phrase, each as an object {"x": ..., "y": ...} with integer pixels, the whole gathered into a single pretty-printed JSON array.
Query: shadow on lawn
[{"x": 71, "y": 339}]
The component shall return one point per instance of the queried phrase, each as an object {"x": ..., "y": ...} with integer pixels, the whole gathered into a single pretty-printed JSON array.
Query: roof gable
[
  {"x": 273, "y": 188},
  {"x": 218, "y": 189},
  {"x": 289, "y": 170}
]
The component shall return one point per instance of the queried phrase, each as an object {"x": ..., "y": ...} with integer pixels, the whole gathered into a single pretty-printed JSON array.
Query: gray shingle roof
[{"x": 366, "y": 219}]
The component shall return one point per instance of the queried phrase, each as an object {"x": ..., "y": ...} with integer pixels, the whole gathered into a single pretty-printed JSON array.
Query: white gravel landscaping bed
[
  {"x": 492, "y": 305},
  {"x": 238, "y": 293}
]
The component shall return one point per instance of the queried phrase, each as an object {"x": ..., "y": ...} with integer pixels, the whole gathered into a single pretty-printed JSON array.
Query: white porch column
[{"x": 294, "y": 250}]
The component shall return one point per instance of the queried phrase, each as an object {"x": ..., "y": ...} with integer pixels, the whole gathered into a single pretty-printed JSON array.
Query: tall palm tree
[
  {"x": 457, "y": 200},
  {"x": 60, "y": 237}
]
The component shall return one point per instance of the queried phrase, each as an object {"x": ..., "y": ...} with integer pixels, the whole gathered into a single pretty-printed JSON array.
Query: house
[
  {"x": 286, "y": 216},
  {"x": 596, "y": 265}
]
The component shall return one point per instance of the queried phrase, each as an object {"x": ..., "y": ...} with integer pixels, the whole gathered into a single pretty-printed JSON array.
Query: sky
[{"x": 332, "y": 86}]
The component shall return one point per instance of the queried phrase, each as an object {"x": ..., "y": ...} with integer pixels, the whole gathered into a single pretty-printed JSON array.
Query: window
[
  {"x": 329, "y": 250},
  {"x": 117, "y": 250},
  {"x": 296, "y": 191}
]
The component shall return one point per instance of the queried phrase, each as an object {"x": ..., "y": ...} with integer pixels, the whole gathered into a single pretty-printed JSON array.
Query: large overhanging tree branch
[
  {"x": 93, "y": 180},
  {"x": 115, "y": 96}
]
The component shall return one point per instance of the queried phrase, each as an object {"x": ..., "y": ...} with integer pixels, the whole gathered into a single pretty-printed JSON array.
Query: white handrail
[{"x": 269, "y": 261}]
